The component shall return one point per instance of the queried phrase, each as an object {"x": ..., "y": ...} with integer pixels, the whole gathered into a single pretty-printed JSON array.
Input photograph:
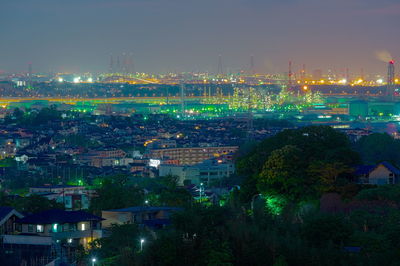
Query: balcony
[{"x": 78, "y": 234}]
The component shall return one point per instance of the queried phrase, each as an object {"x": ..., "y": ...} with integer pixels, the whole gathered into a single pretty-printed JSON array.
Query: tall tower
[
  {"x": 29, "y": 74},
  {"x": 303, "y": 73},
  {"x": 111, "y": 66},
  {"x": 290, "y": 75},
  {"x": 182, "y": 100},
  {"x": 131, "y": 64},
  {"x": 390, "y": 81},
  {"x": 220, "y": 70},
  {"x": 124, "y": 63},
  {"x": 252, "y": 67},
  {"x": 29, "y": 70},
  {"x": 118, "y": 67}
]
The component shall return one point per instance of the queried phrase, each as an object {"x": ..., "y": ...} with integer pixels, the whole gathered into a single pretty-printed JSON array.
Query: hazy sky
[{"x": 176, "y": 35}]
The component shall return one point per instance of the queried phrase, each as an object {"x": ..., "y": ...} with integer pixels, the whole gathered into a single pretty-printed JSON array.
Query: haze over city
[{"x": 175, "y": 36}]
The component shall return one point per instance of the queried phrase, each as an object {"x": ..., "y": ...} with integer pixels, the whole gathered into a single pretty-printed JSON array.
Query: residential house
[
  {"x": 8, "y": 217},
  {"x": 206, "y": 172},
  {"x": 153, "y": 217},
  {"x": 52, "y": 235},
  {"x": 73, "y": 197},
  {"x": 73, "y": 226},
  {"x": 380, "y": 174}
]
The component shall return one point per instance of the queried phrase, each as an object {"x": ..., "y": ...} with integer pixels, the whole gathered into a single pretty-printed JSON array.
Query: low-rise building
[
  {"x": 72, "y": 197},
  {"x": 8, "y": 218},
  {"x": 77, "y": 227},
  {"x": 191, "y": 156},
  {"x": 154, "y": 217},
  {"x": 206, "y": 172},
  {"x": 380, "y": 174}
]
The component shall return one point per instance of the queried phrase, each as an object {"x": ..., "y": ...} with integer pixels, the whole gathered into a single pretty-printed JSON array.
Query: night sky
[{"x": 188, "y": 35}]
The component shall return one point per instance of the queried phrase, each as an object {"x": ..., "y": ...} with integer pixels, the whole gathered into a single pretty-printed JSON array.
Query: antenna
[
  {"x": 111, "y": 67},
  {"x": 182, "y": 99},
  {"x": 290, "y": 75},
  {"x": 131, "y": 64},
  {"x": 220, "y": 68},
  {"x": 303, "y": 73},
  {"x": 252, "y": 67},
  {"x": 29, "y": 74},
  {"x": 118, "y": 68},
  {"x": 390, "y": 81}
]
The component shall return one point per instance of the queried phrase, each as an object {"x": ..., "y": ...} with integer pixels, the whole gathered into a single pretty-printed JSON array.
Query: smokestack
[{"x": 390, "y": 80}]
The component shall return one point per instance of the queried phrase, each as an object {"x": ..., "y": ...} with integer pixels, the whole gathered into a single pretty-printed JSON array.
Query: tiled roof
[
  {"x": 391, "y": 168},
  {"x": 59, "y": 216},
  {"x": 145, "y": 208},
  {"x": 366, "y": 169}
]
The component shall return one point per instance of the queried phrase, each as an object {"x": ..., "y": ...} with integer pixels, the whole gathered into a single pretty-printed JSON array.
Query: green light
[{"x": 275, "y": 204}]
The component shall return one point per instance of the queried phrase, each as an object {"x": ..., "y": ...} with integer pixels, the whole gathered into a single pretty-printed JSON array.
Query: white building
[{"x": 205, "y": 172}]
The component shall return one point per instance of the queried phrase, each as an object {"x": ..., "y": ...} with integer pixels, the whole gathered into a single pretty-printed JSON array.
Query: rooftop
[{"x": 59, "y": 216}]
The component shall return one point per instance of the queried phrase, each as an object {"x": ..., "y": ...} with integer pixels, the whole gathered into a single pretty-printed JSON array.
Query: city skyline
[{"x": 175, "y": 36}]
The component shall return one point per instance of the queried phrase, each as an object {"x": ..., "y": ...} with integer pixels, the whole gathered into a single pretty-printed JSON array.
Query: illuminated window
[
  {"x": 39, "y": 228},
  {"x": 83, "y": 227},
  {"x": 55, "y": 227}
]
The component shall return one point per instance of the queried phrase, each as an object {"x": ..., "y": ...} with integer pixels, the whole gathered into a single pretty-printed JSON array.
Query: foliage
[
  {"x": 165, "y": 192},
  {"x": 381, "y": 193},
  {"x": 293, "y": 162},
  {"x": 378, "y": 147},
  {"x": 80, "y": 141},
  {"x": 320, "y": 229},
  {"x": 120, "y": 247},
  {"x": 33, "y": 118},
  {"x": 283, "y": 173},
  {"x": 31, "y": 204},
  {"x": 115, "y": 193}
]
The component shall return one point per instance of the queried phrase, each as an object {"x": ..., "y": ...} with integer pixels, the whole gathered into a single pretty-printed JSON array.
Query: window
[
  {"x": 39, "y": 228},
  {"x": 72, "y": 227},
  {"x": 30, "y": 228},
  {"x": 390, "y": 180},
  {"x": 18, "y": 227},
  {"x": 83, "y": 227},
  {"x": 55, "y": 227}
]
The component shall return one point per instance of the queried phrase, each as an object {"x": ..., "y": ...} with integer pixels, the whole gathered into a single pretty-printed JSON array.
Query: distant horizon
[{"x": 340, "y": 72}]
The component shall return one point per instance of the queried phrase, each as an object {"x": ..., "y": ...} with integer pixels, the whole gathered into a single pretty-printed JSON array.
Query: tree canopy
[{"x": 295, "y": 159}]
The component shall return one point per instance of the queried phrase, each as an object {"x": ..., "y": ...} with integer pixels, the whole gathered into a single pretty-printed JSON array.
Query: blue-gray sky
[{"x": 177, "y": 35}]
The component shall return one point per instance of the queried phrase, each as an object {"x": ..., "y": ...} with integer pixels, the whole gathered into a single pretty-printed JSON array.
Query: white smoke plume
[{"x": 383, "y": 55}]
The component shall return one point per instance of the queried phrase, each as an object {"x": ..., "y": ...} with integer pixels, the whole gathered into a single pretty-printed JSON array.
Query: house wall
[
  {"x": 380, "y": 175},
  {"x": 8, "y": 226},
  {"x": 46, "y": 232}
]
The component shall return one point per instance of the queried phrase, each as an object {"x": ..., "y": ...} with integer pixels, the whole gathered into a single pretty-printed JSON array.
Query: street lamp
[
  {"x": 93, "y": 261},
  {"x": 141, "y": 244},
  {"x": 146, "y": 202},
  {"x": 201, "y": 191},
  {"x": 252, "y": 201}
]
